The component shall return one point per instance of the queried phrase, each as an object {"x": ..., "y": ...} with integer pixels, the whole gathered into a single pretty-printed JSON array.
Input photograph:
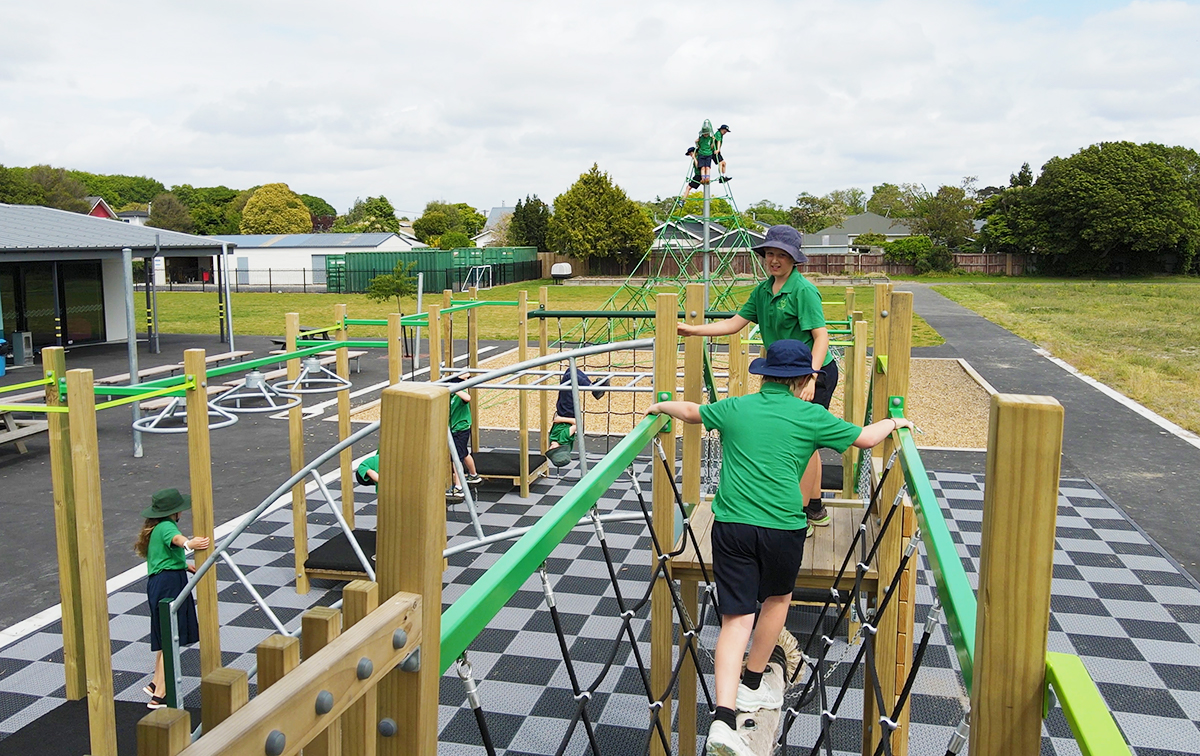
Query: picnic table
[{"x": 14, "y": 431}]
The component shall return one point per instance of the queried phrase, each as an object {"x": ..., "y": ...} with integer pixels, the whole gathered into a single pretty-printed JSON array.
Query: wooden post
[
  {"x": 448, "y": 329},
  {"x": 738, "y": 354},
  {"x": 687, "y": 676},
  {"x": 1020, "y": 504},
  {"x": 318, "y": 627},
  {"x": 411, "y": 537},
  {"x": 66, "y": 535},
  {"x": 693, "y": 391},
  {"x": 222, "y": 692},
  {"x": 543, "y": 350},
  {"x": 359, "y": 598},
  {"x": 855, "y": 397},
  {"x": 164, "y": 732},
  {"x": 906, "y": 606},
  {"x": 200, "y": 472},
  {"x": 277, "y": 655},
  {"x": 883, "y": 304},
  {"x": 395, "y": 352},
  {"x": 89, "y": 522},
  {"x": 662, "y": 614},
  {"x": 522, "y": 400},
  {"x": 850, "y": 304},
  {"x": 346, "y": 457},
  {"x": 296, "y": 448},
  {"x": 473, "y": 362},
  {"x": 435, "y": 342},
  {"x": 892, "y": 546}
]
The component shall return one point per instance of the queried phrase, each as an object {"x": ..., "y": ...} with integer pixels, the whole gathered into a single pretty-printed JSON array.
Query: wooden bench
[
  {"x": 351, "y": 355},
  {"x": 153, "y": 405},
  {"x": 13, "y": 431},
  {"x": 110, "y": 380},
  {"x": 217, "y": 359}
]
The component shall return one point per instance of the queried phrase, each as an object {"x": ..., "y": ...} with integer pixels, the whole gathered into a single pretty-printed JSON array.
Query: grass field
[
  {"x": 1143, "y": 339},
  {"x": 261, "y": 313}
]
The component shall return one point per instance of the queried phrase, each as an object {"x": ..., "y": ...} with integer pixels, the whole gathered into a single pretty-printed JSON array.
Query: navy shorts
[
  {"x": 752, "y": 564},
  {"x": 462, "y": 442},
  {"x": 704, "y": 161},
  {"x": 826, "y": 384}
]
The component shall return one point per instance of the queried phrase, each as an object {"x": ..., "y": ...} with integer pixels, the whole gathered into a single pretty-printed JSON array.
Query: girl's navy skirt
[{"x": 168, "y": 584}]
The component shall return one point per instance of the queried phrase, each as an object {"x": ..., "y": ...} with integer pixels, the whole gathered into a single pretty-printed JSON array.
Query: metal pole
[
  {"x": 707, "y": 216},
  {"x": 228, "y": 303},
  {"x": 416, "y": 358},
  {"x": 154, "y": 293},
  {"x": 579, "y": 442},
  {"x": 131, "y": 341}
]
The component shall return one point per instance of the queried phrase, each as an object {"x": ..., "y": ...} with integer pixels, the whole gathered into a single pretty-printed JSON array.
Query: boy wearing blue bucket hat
[
  {"x": 787, "y": 306},
  {"x": 759, "y": 521}
]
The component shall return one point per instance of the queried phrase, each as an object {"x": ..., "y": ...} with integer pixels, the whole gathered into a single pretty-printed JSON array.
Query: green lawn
[
  {"x": 261, "y": 313},
  {"x": 1143, "y": 339}
]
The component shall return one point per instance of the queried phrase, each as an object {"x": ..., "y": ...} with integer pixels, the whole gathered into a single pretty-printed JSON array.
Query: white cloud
[{"x": 483, "y": 102}]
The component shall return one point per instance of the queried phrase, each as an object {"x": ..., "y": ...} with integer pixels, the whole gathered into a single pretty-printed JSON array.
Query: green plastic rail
[
  {"x": 349, "y": 343},
  {"x": 620, "y": 314},
  {"x": 30, "y": 384},
  {"x": 468, "y": 616},
  {"x": 1091, "y": 722},
  {"x": 189, "y": 383}
]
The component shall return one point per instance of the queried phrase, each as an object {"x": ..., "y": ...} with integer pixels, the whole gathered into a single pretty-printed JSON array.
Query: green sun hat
[{"x": 165, "y": 503}]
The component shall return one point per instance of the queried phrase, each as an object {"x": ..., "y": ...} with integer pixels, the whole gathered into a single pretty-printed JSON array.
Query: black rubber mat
[
  {"x": 63, "y": 731},
  {"x": 336, "y": 554},
  {"x": 504, "y": 462}
]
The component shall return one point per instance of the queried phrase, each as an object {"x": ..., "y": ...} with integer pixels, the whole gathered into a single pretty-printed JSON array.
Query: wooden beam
[
  {"x": 855, "y": 393},
  {"x": 448, "y": 329},
  {"x": 544, "y": 350},
  {"x": 522, "y": 399},
  {"x": 359, "y": 598},
  {"x": 89, "y": 522},
  {"x": 693, "y": 391},
  {"x": 435, "y": 342},
  {"x": 66, "y": 535},
  {"x": 222, "y": 692},
  {"x": 883, "y": 311},
  {"x": 164, "y": 732},
  {"x": 346, "y": 457},
  {"x": 662, "y": 615},
  {"x": 473, "y": 362},
  {"x": 849, "y": 299},
  {"x": 412, "y": 536},
  {"x": 203, "y": 524},
  {"x": 319, "y": 627},
  {"x": 277, "y": 655},
  {"x": 738, "y": 364},
  {"x": 395, "y": 350},
  {"x": 687, "y": 675},
  {"x": 1020, "y": 505},
  {"x": 296, "y": 455}
]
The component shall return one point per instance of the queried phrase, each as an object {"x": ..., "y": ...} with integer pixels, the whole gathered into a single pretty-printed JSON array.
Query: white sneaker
[
  {"x": 723, "y": 741},
  {"x": 768, "y": 695}
]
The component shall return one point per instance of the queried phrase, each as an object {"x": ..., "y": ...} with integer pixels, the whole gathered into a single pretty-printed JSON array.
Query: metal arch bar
[
  {"x": 337, "y": 513},
  {"x": 517, "y": 532},
  {"x": 462, "y": 479},
  {"x": 254, "y": 594}
]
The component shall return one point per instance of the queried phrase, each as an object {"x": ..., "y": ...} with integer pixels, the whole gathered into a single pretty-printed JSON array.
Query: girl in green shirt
[{"x": 162, "y": 546}]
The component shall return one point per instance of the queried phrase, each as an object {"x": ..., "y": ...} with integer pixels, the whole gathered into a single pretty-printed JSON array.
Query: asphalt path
[{"x": 1144, "y": 469}]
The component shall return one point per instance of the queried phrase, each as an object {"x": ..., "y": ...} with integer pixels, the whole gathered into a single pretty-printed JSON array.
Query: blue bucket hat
[
  {"x": 786, "y": 358},
  {"x": 783, "y": 237}
]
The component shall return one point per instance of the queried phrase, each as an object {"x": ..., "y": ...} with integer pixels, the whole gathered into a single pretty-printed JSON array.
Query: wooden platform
[{"x": 823, "y": 552}]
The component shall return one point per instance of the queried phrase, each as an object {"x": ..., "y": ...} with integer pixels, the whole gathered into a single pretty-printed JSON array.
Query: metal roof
[
  {"x": 866, "y": 223},
  {"x": 496, "y": 214},
  {"x": 41, "y": 230},
  {"x": 280, "y": 241}
]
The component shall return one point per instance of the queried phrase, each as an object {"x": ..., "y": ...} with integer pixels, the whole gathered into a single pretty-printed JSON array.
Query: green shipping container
[
  {"x": 436, "y": 264},
  {"x": 466, "y": 257},
  {"x": 335, "y": 274}
]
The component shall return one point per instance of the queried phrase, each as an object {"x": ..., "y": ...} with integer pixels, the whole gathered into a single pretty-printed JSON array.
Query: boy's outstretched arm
[
  {"x": 688, "y": 412},
  {"x": 875, "y": 433}
]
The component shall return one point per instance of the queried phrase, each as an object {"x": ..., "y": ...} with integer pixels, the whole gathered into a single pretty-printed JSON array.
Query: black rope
[{"x": 580, "y": 701}]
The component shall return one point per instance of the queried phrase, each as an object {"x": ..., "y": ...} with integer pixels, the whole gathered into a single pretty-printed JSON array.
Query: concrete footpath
[{"x": 1150, "y": 473}]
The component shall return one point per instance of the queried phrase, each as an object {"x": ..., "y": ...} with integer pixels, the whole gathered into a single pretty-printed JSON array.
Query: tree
[
  {"x": 502, "y": 233},
  {"x": 1114, "y": 207},
  {"x": 853, "y": 199},
  {"x": 920, "y": 252},
  {"x": 454, "y": 240},
  {"x": 59, "y": 190},
  {"x": 166, "y": 211},
  {"x": 118, "y": 190},
  {"x": 1005, "y": 229},
  {"x": 529, "y": 224},
  {"x": 369, "y": 216},
  {"x": 275, "y": 209},
  {"x": 811, "y": 214},
  {"x": 17, "y": 189},
  {"x": 767, "y": 213},
  {"x": 440, "y": 217},
  {"x": 399, "y": 283},
  {"x": 870, "y": 239},
  {"x": 595, "y": 218},
  {"x": 318, "y": 206},
  {"x": 947, "y": 217},
  {"x": 893, "y": 200}
]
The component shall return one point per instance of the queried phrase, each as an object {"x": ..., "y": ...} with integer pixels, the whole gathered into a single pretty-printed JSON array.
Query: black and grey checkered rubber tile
[{"x": 1118, "y": 602}]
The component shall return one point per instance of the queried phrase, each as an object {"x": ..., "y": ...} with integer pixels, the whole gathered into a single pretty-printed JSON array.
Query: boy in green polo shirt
[
  {"x": 759, "y": 523},
  {"x": 788, "y": 306},
  {"x": 718, "y": 158},
  {"x": 460, "y": 431},
  {"x": 706, "y": 146}
]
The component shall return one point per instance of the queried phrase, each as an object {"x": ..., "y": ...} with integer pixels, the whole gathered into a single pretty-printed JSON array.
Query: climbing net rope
[{"x": 808, "y": 681}]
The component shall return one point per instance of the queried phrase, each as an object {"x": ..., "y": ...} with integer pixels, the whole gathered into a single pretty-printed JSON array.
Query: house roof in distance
[
  {"x": 39, "y": 231},
  {"x": 284, "y": 241},
  {"x": 495, "y": 214},
  {"x": 864, "y": 223}
]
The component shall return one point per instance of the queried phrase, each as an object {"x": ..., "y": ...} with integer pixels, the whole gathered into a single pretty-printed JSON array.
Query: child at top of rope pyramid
[
  {"x": 759, "y": 523},
  {"x": 694, "y": 181},
  {"x": 718, "y": 158},
  {"x": 562, "y": 430},
  {"x": 706, "y": 147},
  {"x": 788, "y": 306}
]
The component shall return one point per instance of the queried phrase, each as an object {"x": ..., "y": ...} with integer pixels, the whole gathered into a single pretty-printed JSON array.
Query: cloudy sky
[{"x": 485, "y": 102}]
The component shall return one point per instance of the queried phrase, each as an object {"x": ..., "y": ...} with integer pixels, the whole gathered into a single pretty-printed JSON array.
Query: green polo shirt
[
  {"x": 704, "y": 145},
  {"x": 371, "y": 463},
  {"x": 766, "y": 441},
  {"x": 460, "y": 414},
  {"x": 793, "y": 313},
  {"x": 718, "y": 138},
  {"x": 160, "y": 554}
]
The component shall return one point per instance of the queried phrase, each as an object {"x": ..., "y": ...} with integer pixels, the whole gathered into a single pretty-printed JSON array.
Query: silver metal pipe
[
  {"x": 254, "y": 594},
  {"x": 228, "y": 302},
  {"x": 707, "y": 238},
  {"x": 416, "y": 358},
  {"x": 462, "y": 479},
  {"x": 518, "y": 532},
  {"x": 131, "y": 341}
]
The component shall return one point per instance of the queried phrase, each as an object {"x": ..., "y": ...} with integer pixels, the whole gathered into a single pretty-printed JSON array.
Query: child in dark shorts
[
  {"x": 759, "y": 521},
  {"x": 460, "y": 431},
  {"x": 162, "y": 546},
  {"x": 562, "y": 428},
  {"x": 694, "y": 181}
]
